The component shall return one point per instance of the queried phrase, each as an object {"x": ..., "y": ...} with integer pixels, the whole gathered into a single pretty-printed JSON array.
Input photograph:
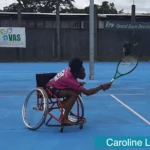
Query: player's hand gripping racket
[{"x": 125, "y": 66}]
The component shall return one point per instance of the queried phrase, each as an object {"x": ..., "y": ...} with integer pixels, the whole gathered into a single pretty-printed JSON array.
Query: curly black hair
[{"x": 75, "y": 64}]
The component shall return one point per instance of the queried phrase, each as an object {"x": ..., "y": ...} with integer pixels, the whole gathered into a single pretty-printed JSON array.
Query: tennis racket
[{"x": 125, "y": 66}]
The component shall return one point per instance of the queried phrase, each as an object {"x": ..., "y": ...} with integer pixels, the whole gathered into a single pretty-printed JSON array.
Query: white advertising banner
[{"x": 12, "y": 37}]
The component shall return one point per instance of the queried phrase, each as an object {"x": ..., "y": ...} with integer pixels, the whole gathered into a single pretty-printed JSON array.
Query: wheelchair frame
[{"x": 44, "y": 99}]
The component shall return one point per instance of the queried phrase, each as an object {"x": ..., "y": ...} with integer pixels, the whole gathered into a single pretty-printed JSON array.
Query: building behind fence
[{"x": 41, "y": 40}]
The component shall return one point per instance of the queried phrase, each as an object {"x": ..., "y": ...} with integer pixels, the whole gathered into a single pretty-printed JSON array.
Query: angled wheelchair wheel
[{"x": 34, "y": 110}]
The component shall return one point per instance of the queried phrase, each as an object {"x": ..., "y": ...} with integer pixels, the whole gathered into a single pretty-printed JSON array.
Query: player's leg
[
  {"x": 123, "y": 54},
  {"x": 70, "y": 98},
  {"x": 65, "y": 99}
]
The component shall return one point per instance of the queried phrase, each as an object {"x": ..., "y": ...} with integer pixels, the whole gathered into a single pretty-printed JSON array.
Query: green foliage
[
  {"x": 105, "y": 8},
  {"x": 66, "y": 6},
  {"x": 43, "y": 6},
  {"x": 11, "y": 8}
]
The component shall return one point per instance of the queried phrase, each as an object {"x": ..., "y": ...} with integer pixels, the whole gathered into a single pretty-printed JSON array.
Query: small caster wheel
[
  {"x": 62, "y": 130},
  {"x": 81, "y": 126}
]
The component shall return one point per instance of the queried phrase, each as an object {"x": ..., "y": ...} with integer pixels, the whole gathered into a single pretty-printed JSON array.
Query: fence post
[
  {"x": 58, "y": 29},
  {"x": 19, "y": 25}
]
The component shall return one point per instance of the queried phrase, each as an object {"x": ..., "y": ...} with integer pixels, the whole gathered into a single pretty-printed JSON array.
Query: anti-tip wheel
[
  {"x": 81, "y": 126},
  {"x": 62, "y": 130}
]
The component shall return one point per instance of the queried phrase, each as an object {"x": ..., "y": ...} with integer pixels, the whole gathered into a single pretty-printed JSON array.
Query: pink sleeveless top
[{"x": 65, "y": 80}]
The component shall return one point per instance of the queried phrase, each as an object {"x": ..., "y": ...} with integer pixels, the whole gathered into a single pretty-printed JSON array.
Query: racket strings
[{"x": 127, "y": 64}]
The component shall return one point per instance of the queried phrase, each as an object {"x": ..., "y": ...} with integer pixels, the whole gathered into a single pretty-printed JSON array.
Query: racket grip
[{"x": 112, "y": 80}]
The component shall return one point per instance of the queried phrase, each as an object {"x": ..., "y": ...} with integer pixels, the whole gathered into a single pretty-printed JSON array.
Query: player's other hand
[
  {"x": 82, "y": 83},
  {"x": 106, "y": 86}
]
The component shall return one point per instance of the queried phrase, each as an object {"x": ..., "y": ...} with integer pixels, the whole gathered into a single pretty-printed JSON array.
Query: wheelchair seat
[{"x": 42, "y": 79}]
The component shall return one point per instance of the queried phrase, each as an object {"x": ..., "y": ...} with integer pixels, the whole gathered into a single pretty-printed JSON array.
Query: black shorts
[
  {"x": 127, "y": 53},
  {"x": 55, "y": 91}
]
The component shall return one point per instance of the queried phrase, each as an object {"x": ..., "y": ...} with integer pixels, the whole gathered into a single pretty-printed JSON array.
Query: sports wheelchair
[{"x": 42, "y": 107}]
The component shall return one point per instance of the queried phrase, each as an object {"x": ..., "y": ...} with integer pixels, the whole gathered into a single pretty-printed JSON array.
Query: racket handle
[{"x": 112, "y": 80}]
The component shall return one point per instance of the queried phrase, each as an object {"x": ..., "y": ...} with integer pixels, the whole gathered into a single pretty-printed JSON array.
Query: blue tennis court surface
[{"x": 121, "y": 111}]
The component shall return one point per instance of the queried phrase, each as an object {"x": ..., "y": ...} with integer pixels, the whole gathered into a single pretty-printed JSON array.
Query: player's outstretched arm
[
  {"x": 82, "y": 83},
  {"x": 93, "y": 91}
]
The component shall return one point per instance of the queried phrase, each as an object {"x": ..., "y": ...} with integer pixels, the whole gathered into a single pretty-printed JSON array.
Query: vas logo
[
  {"x": 12, "y": 37},
  {"x": 7, "y": 35}
]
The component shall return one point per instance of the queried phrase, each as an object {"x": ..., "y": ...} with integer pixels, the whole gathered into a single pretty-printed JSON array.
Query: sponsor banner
[
  {"x": 12, "y": 37},
  {"x": 127, "y": 25}
]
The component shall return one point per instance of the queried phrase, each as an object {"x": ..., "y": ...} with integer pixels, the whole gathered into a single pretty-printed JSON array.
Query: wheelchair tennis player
[{"x": 65, "y": 84}]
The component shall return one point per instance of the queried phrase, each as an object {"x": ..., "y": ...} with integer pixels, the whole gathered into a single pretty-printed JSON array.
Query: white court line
[
  {"x": 118, "y": 82},
  {"x": 133, "y": 111},
  {"x": 130, "y": 89},
  {"x": 24, "y": 95},
  {"x": 123, "y": 94},
  {"x": 134, "y": 94}
]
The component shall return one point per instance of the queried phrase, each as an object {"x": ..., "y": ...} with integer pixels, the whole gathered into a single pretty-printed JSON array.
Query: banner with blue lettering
[
  {"x": 12, "y": 37},
  {"x": 123, "y": 25}
]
